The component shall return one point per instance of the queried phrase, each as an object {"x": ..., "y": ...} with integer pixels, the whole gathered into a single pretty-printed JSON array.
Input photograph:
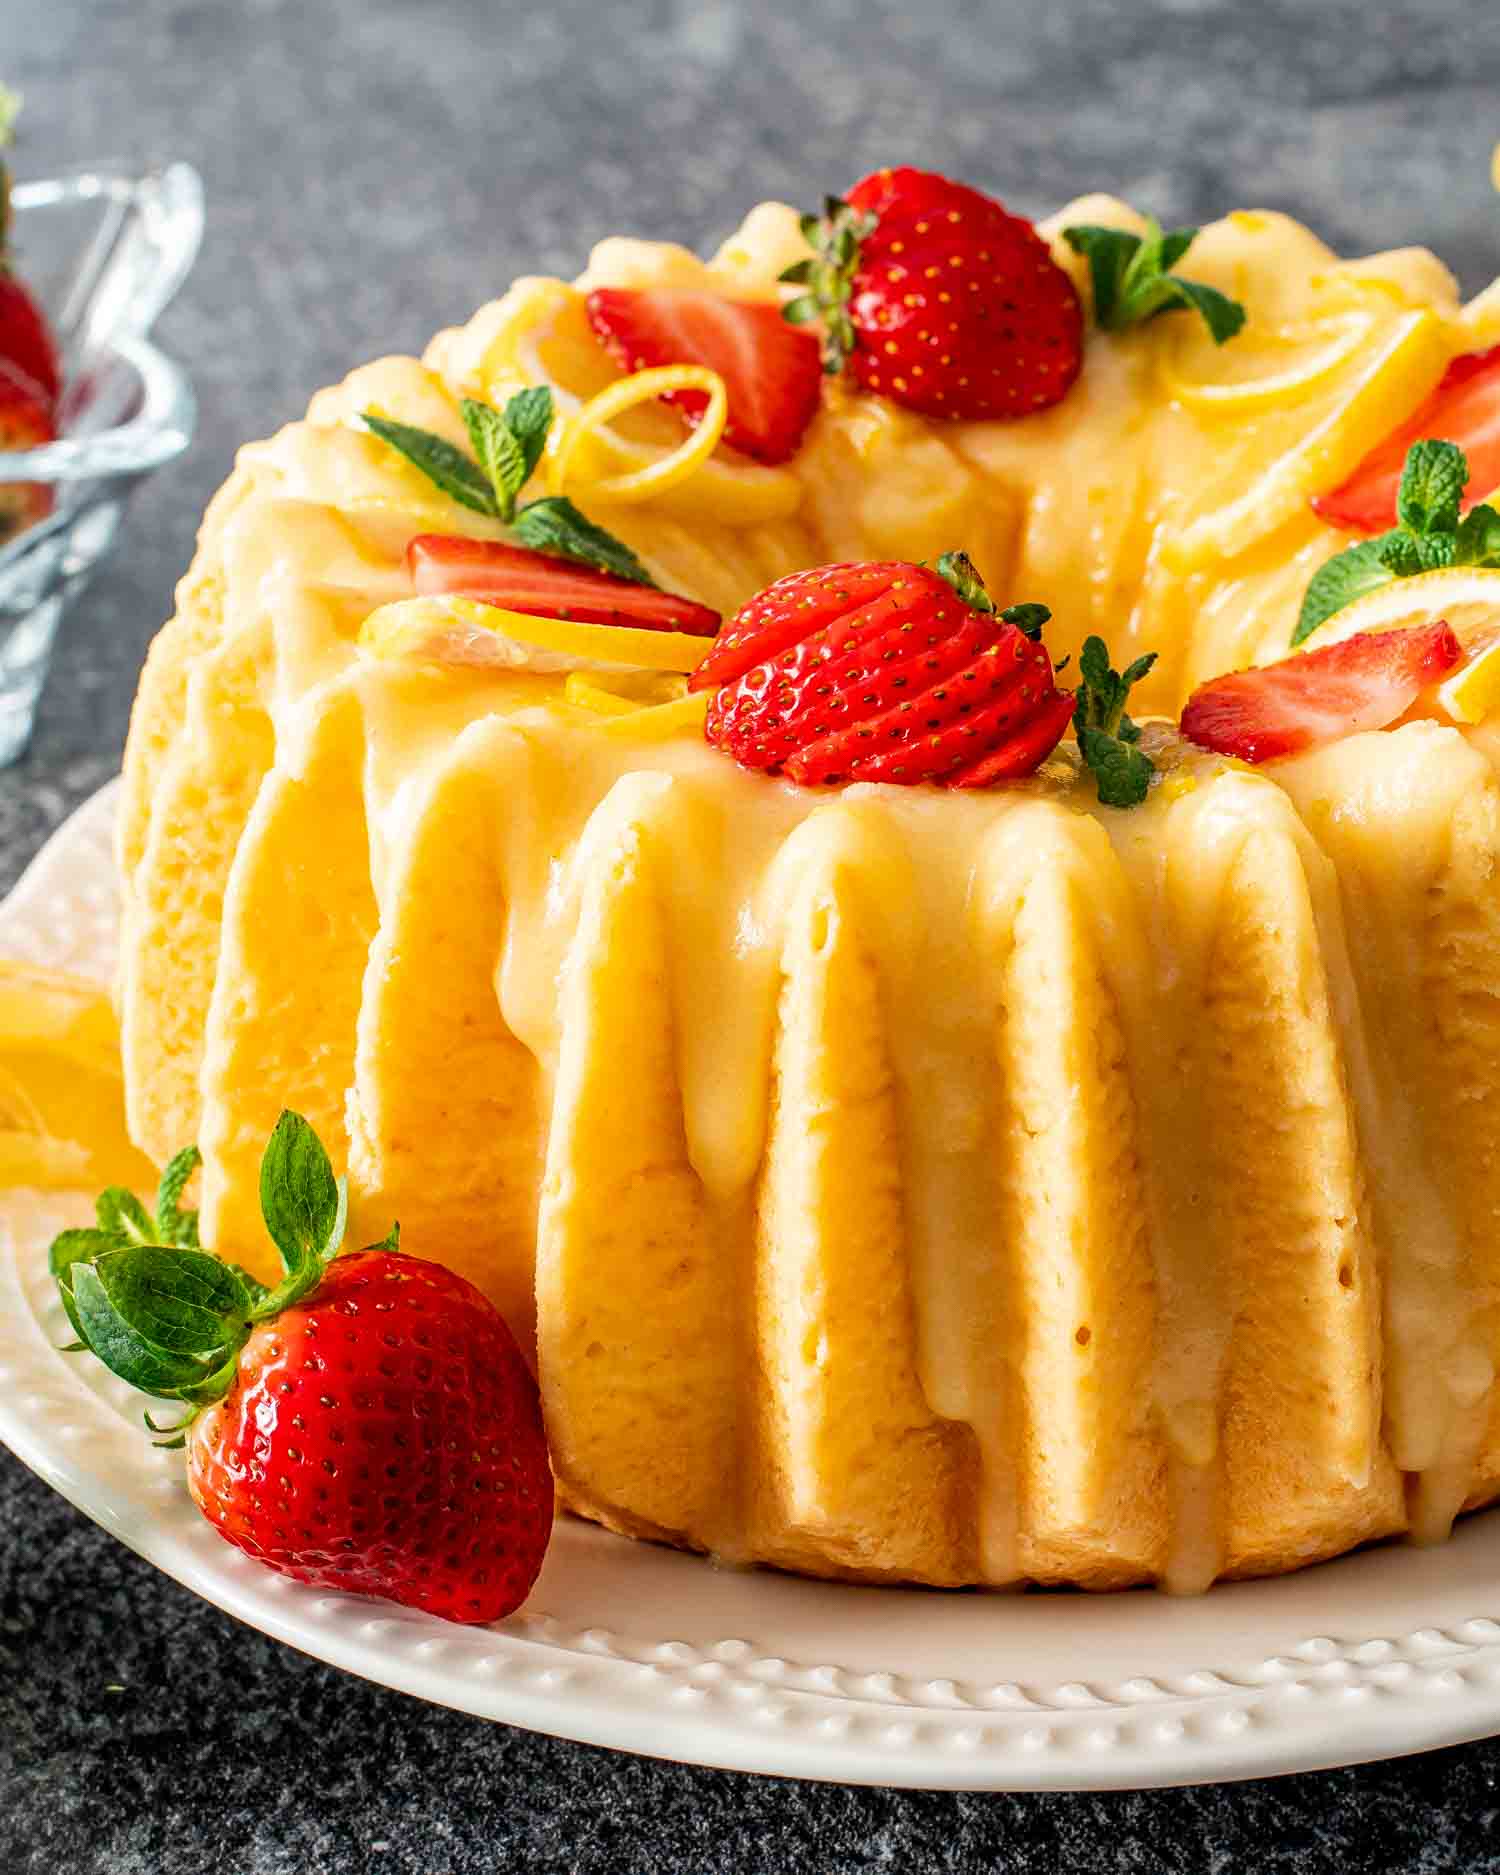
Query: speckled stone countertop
[{"x": 374, "y": 170}]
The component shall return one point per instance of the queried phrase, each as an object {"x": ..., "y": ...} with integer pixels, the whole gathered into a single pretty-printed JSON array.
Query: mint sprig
[
  {"x": 168, "y": 1317},
  {"x": 1107, "y": 738},
  {"x": 1133, "y": 280},
  {"x": 1428, "y": 534},
  {"x": 507, "y": 446}
]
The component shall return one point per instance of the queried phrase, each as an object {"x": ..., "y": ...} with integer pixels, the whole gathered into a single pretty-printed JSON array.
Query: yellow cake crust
[{"x": 893, "y": 1186}]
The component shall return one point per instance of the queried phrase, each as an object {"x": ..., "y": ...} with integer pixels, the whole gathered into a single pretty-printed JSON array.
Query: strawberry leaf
[
  {"x": 124, "y": 1350},
  {"x": 1029, "y": 618},
  {"x": 963, "y": 576},
  {"x": 305, "y": 1207},
  {"x": 173, "y": 1224},
  {"x": 449, "y": 468},
  {"x": 123, "y": 1217},
  {"x": 70, "y": 1247},
  {"x": 554, "y": 525},
  {"x": 181, "y": 1301},
  {"x": 835, "y": 237}
]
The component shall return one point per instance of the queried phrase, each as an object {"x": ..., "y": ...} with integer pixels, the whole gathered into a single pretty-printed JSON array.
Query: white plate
[{"x": 630, "y": 1645}]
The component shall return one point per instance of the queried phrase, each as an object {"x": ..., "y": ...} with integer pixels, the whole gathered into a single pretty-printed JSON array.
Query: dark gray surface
[{"x": 375, "y": 170}]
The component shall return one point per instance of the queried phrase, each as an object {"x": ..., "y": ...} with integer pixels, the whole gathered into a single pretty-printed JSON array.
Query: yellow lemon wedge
[
  {"x": 464, "y": 634},
  {"x": 62, "y": 1101},
  {"x": 1472, "y": 693},
  {"x": 1281, "y": 365},
  {"x": 1468, "y": 597},
  {"x": 1399, "y": 373}
]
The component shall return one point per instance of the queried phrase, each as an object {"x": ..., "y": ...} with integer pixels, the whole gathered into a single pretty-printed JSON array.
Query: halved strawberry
[
  {"x": 25, "y": 422},
  {"x": 937, "y": 297},
  {"x": 546, "y": 586},
  {"x": 771, "y": 371},
  {"x": 1362, "y": 683},
  {"x": 883, "y": 671},
  {"x": 1464, "y": 409}
]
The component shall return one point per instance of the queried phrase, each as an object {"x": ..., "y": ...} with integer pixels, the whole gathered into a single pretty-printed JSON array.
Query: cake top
[{"x": 1087, "y": 464}]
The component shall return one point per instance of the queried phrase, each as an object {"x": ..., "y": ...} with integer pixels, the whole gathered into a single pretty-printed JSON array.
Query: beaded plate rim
[{"x": 644, "y": 1649}]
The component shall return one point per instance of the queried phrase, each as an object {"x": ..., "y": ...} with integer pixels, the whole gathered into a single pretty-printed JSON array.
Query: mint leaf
[
  {"x": 1478, "y": 540},
  {"x": 554, "y": 525},
  {"x": 529, "y": 414},
  {"x": 1133, "y": 281},
  {"x": 1106, "y": 735},
  {"x": 1109, "y": 252},
  {"x": 304, "y": 1206},
  {"x": 174, "y": 1225},
  {"x": 449, "y": 468},
  {"x": 1339, "y": 582},
  {"x": 1123, "y": 771},
  {"x": 1222, "y": 315},
  {"x": 1432, "y": 487},
  {"x": 500, "y": 455}
]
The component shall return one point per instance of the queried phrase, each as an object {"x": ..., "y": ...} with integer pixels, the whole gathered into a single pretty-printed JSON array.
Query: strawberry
[
  {"x": 885, "y": 671},
  {"x": 26, "y": 343},
  {"x": 25, "y": 422},
  {"x": 771, "y": 372},
  {"x": 1364, "y": 682},
  {"x": 939, "y": 298},
  {"x": 367, "y": 1425},
  {"x": 26, "y": 340},
  {"x": 546, "y": 586},
  {"x": 1464, "y": 409}
]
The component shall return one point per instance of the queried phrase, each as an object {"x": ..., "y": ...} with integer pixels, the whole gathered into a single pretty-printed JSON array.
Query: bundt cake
[{"x": 953, "y": 1185}]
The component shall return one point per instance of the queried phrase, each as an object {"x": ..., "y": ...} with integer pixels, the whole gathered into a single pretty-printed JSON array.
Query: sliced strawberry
[
  {"x": 25, "y": 422},
  {"x": 789, "y": 611},
  {"x": 25, "y": 339},
  {"x": 1364, "y": 683},
  {"x": 772, "y": 373},
  {"x": 546, "y": 586},
  {"x": 1464, "y": 409},
  {"x": 882, "y": 672}
]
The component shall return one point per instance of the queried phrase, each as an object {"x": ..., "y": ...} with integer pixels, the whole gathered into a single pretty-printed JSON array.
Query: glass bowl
[{"x": 104, "y": 251}]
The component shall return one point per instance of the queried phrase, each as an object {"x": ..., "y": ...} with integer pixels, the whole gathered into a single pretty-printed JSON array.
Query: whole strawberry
[
  {"x": 26, "y": 340},
  {"x": 937, "y": 297},
  {"x": 885, "y": 671},
  {"x": 25, "y": 422},
  {"x": 369, "y": 1424}
]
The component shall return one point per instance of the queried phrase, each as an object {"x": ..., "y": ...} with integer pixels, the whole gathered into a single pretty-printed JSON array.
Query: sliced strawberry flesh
[
  {"x": 772, "y": 371},
  {"x": 1364, "y": 683},
  {"x": 451, "y": 565},
  {"x": 1464, "y": 409},
  {"x": 930, "y": 735},
  {"x": 791, "y": 610},
  {"x": 1025, "y": 753}
]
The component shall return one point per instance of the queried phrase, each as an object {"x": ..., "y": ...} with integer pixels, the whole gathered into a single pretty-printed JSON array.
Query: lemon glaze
[{"x": 896, "y": 1183}]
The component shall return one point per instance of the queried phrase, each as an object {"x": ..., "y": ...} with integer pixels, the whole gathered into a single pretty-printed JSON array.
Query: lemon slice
[
  {"x": 62, "y": 1099},
  {"x": 1400, "y": 372},
  {"x": 609, "y": 695},
  {"x": 1472, "y": 693},
  {"x": 464, "y": 634},
  {"x": 1208, "y": 377},
  {"x": 591, "y": 424},
  {"x": 667, "y": 719},
  {"x": 1468, "y": 597}
]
